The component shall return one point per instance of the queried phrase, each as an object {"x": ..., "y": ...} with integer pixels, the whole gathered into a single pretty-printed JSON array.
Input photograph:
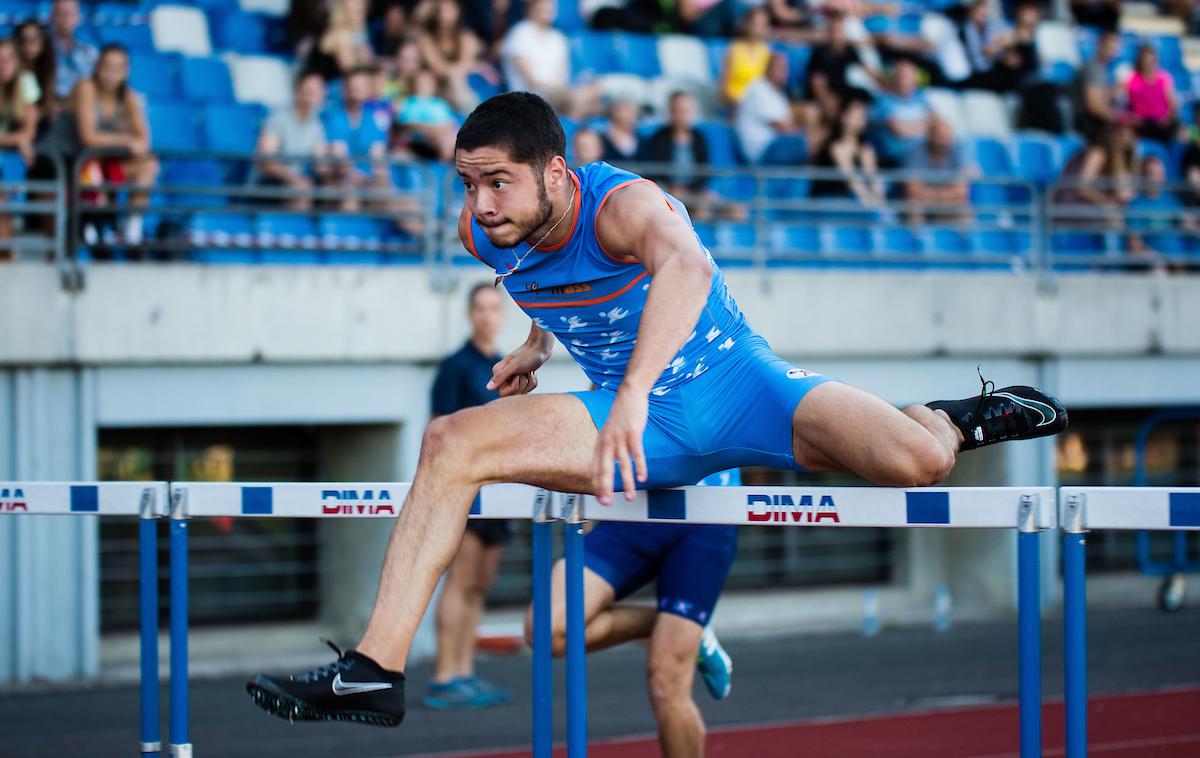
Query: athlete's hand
[
  {"x": 621, "y": 440},
  {"x": 516, "y": 373}
]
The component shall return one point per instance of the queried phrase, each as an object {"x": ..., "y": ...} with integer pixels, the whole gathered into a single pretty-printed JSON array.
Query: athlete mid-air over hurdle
[{"x": 606, "y": 263}]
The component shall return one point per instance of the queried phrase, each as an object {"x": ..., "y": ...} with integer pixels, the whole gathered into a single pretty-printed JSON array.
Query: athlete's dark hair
[
  {"x": 519, "y": 123},
  {"x": 476, "y": 290}
]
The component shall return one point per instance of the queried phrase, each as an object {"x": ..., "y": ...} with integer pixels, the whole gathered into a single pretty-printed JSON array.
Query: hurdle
[
  {"x": 1084, "y": 509},
  {"x": 1029, "y": 510},
  {"x": 145, "y": 501}
]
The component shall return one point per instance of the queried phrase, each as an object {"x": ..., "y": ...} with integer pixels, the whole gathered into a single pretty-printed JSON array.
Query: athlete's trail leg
[
  {"x": 837, "y": 427},
  {"x": 544, "y": 440},
  {"x": 670, "y": 669},
  {"x": 606, "y": 625}
]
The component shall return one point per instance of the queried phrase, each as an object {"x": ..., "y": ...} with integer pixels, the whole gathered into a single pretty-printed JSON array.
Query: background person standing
[{"x": 461, "y": 383}]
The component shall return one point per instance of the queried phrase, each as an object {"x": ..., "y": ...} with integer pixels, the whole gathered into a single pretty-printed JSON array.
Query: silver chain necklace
[{"x": 521, "y": 259}]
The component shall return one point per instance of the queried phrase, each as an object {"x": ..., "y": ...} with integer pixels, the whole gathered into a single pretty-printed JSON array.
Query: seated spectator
[
  {"x": 704, "y": 18},
  {"x": 903, "y": 114},
  {"x": 306, "y": 22},
  {"x": 18, "y": 118},
  {"x": 586, "y": 147},
  {"x": 392, "y": 29},
  {"x": 747, "y": 56},
  {"x": 848, "y": 152},
  {"x": 764, "y": 123},
  {"x": 108, "y": 115},
  {"x": 451, "y": 52},
  {"x": 825, "y": 79},
  {"x": 1104, "y": 14},
  {"x": 75, "y": 58},
  {"x": 295, "y": 131},
  {"x": 1095, "y": 89},
  {"x": 620, "y": 138},
  {"x": 427, "y": 121},
  {"x": 38, "y": 68},
  {"x": 344, "y": 46},
  {"x": 1189, "y": 167},
  {"x": 536, "y": 59},
  {"x": 788, "y": 17},
  {"x": 682, "y": 146},
  {"x": 1099, "y": 176},
  {"x": 1152, "y": 99},
  {"x": 1000, "y": 60},
  {"x": 1156, "y": 216},
  {"x": 405, "y": 66},
  {"x": 938, "y": 186},
  {"x": 355, "y": 134},
  {"x": 18, "y": 105}
]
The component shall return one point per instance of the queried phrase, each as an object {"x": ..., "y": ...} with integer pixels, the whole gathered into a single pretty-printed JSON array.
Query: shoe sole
[
  {"x": 437, "y": 704},
  {"x": 279, "y": 703}
]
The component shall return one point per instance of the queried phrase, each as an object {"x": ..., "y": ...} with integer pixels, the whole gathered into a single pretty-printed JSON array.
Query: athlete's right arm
[{"x": 516, "y": 373}]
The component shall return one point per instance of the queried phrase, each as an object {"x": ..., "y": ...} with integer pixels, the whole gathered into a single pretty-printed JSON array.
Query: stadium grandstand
[{"x": 1064, "y": 137}]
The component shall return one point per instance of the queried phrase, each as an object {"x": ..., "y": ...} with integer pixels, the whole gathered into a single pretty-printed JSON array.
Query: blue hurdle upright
[{"x": 1084, "y": 509}]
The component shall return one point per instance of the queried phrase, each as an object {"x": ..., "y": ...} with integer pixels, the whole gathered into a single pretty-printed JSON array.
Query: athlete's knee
[
  {"x": 924, "y": 462},
  {"x": 667, "y": 677},
  {"x": 447, "y": 437}
]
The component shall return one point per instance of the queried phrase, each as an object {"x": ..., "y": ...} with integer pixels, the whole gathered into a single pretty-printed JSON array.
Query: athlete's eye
[
  {"x": 499, "y": 184},
  {"x": 468, "y": 186}
]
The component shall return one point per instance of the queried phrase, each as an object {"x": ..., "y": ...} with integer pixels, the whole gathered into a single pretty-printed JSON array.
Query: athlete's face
[{"x": 510, "y": 201}]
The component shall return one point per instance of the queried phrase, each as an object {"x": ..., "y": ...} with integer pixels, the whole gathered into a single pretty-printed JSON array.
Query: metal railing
[
  {"x": 213, "y": 207},
  {"x": 33, "y": 209}
]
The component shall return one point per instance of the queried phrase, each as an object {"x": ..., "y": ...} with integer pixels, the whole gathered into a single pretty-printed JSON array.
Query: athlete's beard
[{"x": 545, "y": 211}]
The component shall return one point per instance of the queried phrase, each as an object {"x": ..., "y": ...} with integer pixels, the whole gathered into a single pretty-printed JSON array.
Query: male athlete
[
  {"x": 609, "y": 266},
  {"x": 690, "y": 562}
]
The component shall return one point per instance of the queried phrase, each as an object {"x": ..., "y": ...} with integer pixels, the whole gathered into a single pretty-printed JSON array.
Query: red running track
[{"x": 1158, "y": 724}]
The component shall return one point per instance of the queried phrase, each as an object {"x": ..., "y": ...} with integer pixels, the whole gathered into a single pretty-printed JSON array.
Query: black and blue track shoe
[{"x": 1001, "y": 415}]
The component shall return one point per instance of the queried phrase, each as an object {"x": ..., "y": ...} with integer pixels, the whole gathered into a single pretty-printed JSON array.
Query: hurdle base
[
  {"x": 183, "y": 750},
  {"x": 151, "y": 747}
]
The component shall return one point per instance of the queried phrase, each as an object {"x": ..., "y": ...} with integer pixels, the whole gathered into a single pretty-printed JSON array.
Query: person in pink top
[{"x": 1152, "y": 100}]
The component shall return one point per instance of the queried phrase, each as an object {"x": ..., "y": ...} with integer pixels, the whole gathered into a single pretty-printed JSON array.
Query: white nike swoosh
[
  {"x": 357, "y": 688},
  {"x": 1033, "y": 405}
]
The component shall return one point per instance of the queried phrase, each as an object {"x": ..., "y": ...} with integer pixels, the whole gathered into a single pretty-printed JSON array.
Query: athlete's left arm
[{"x": 638, "y": 223}]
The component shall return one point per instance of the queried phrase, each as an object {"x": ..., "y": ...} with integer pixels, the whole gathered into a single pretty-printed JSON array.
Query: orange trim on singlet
[
  {"x": 593, "y": 301},
  {"x": 574, "y": 222},
  {"x": 470, "y": 241},
  {"x": 604, "y": 200}
]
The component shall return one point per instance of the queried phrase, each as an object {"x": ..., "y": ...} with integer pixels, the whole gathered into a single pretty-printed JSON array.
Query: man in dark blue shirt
[{"x": 461, "y": 383}]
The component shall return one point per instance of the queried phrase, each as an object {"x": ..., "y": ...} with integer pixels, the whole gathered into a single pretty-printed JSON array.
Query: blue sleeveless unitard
[{"x": 723, "y": 401}]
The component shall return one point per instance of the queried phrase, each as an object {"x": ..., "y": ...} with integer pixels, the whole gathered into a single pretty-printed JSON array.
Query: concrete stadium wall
[{"x": 170, "y": 346}]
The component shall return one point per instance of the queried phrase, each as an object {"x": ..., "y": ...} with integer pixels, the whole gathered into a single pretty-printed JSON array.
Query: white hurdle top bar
[
  {"x": 965, "y": 507},
  {"x": 1155, "y": 508},
  {"x": 82, "y": 498}
]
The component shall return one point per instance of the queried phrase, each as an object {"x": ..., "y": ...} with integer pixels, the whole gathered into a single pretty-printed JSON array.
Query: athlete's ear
[{"x": 556, "y": 173}]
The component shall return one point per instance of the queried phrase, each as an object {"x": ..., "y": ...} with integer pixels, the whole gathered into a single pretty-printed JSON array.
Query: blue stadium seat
[
  {"x": 1173, "y": 245},
  {"x": 231, "y": 128},
  {"x": 716, "y": 55},
  {"x": 154, "y": 75},
  {"x": 176, "y": 171},
  {"x": 1059, "y": 72},
  {"x": 221, "y": 238},
  {"x": 847, "y": 240},
  {"x": 592, "y": 52},
  {"x": 944, "y": 241},
  {"x": 173, "y": 126},
  {"x": 1078, "y": 243},
  {"x": 568, "y": 18},
  {"x": 707, "y": 234},
  {"x": 739, "y": 188},
  {"x": 12, "y": 166},
  {"x": 735, "y": 238},
  {"x": 795, "y": 242},
  {"x": 723, "y": 150},
  {"x": 1170, "y": 51},
  {"x": 797, "y": 56},
  {"x": 135, "y": 38},
  {"x": 287, "y": 238},
  {"x": 899, "y": 240},
  {"x": 205, "y": 79},
  {"x": 1037, "y": 158},
  {"x": 352, "y": 239},
  {"x": 636, "y": 54},
  {"x": 993, "y": 157},
  {"x": 245, "y": 33},
  {"x": 1068, "y": 145},
  {"x": 117, "y": 14}
]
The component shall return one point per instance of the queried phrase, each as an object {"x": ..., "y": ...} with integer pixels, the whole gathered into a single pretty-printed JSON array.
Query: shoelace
[
  {"x": 986, "y": 390},
  {"x": 341, "y": 664}
]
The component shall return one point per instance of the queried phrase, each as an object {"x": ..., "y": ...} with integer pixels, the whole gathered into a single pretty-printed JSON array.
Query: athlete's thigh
[
  {"x": 837, "y": 427},
  {"x": 545, "y": 440},
  {"x": 671, "y": 652},
  {"x": 598, "y": 595},
  {"x": 693, "y": 573}
]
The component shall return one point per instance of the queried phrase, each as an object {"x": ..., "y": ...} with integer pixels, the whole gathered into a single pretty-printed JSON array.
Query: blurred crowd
[{"x": 380, "y": 79}]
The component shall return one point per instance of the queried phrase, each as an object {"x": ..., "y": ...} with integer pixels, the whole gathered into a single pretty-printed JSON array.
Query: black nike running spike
[
  {"x": 1011, "y": 413},
  {"x": 353, "y": 688}
]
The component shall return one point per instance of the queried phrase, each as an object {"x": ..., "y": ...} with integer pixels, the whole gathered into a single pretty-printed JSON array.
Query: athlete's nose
[{"x": 485, "y": 209}]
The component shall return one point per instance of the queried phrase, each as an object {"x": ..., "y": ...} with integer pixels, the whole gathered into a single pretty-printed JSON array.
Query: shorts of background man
[{"x": 691, "y": 561}]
